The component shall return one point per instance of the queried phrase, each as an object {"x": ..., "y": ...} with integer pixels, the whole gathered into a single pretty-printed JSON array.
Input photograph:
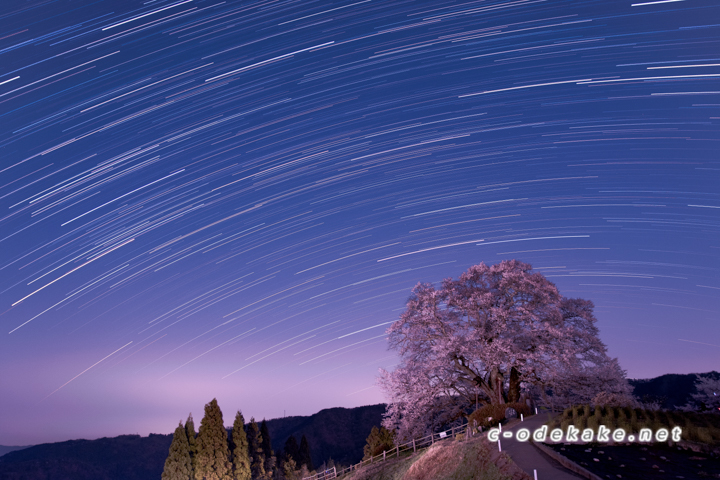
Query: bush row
[
  {"x": 696, "y": 427},
  {"x": 496, "y": 413}
]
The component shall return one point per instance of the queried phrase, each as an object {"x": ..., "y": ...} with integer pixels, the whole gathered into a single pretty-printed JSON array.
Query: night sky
[{"x": 228, "y": 199}]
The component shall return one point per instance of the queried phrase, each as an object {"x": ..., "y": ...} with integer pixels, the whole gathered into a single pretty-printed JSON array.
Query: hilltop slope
[{"x": 474, "y": 459}]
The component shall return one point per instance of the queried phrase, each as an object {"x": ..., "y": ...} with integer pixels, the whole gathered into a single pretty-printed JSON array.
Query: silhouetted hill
[
  {"x": 671, "y": 390},
  {"x": 7, "y": 449},
  {"x": 127, "y": 457},
  {"x": 337, "y": 433}
]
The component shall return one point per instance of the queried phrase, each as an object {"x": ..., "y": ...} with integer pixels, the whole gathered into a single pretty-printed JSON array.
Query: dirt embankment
[{"x": 448, "y": 460}]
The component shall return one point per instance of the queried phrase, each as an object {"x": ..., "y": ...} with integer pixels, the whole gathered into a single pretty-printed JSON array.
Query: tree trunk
[
  {"x": 514, "y": 389},
  {"x": 496, "y": 384}
]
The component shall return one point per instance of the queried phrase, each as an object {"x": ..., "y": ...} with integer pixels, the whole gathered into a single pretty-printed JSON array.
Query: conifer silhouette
[
  {"x": 177, "y": 464},
  {"x": 292, "y": 449},
  {"x": 212, "y": 459},
  {"x": 240, "y": 455},
  {"x": 192, "y": 441},
  {"x": 304, "y": 454},
  {"x": 257, "y": 458},
  {"x": 270, "y": 460}
]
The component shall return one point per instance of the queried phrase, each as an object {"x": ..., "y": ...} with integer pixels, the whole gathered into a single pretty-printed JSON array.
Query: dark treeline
[{"x": 244, "y": 454}]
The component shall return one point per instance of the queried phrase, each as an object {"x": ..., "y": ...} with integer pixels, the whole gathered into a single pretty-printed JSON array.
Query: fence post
[
  {"x": 397, "y": 448},
  {"x": 413, "y": 445},
  {"x": 383, "y": 455},
  {"x": 452, "y": 431},
  {"x": 432, "y": 438}
]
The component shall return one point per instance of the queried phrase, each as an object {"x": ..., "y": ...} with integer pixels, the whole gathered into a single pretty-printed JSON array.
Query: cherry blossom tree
[
  {"x": 707, "y": 397},
  {"x": 601, "y": 382},
  {"x": 492, "y": 332}
]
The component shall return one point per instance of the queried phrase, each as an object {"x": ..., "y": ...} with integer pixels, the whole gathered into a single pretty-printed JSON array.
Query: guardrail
[{"x": 414, "y": 445}]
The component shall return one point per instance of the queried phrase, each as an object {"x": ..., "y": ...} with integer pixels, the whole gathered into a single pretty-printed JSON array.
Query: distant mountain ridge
[
  {"x": 337, "y": 433},
  {"x": 7, "y": 448},
  {"x": 671, "y": 390},
  {"x": 129, "y": 457}
]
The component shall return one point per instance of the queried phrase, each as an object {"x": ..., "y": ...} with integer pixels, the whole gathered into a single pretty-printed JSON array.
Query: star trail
[{"x": 231, "y": 199}]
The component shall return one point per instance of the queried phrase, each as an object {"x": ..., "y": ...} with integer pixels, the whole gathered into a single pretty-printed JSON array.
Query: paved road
[{"x": 529, "y": 458}]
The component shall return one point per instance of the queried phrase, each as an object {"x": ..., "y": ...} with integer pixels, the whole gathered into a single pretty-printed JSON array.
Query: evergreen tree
[
  {"x": 192, "y": 441},
  {"x": 177, "y": 464},
  {"x": 303, "y": 472},
  {"x": 290, "y": 469},
  {"x": 240, "y": 457},
  {"x": 257, "y": 458},
  {"x": 304, "y": 454},
  {"x": 212, "y": 459},
  {"x": 378, "y": 441},
  {"x": 270, "y": 460},
  {"x": 292, "y": 450}
]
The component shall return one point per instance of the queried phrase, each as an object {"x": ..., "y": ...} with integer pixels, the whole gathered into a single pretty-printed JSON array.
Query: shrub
[
  {"x": 658, "y": 420},
  {"x": 639, "y": 414},
  {"x": 608, "y": 419},
  {"x": 634, "y": 422},
  {"x": 675, "y": 419},
  {"x": 593, "y": 422},
  {"x": 577, "y": 411},
  {"x": 579, "y": 422},
  {"x": 621, "y": 414},
  {"x": 703, "y": 428},
  {"x": 598, "y": 413},
  {"x": 378, "y": 441},
  {"x": 625, "y": 425},
  {"x": 703, "y": 435},
  {"x": 496, "y": 412},
  {"x": 565, "y": 423},
  {"x": 614, "y": 399}
]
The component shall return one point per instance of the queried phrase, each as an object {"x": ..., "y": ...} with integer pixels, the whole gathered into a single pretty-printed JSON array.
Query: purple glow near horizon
[{"x": 206, "y": 199}]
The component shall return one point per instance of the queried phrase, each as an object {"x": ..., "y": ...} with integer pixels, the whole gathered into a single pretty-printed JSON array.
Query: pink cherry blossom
[{"x": 493, "y": 333}]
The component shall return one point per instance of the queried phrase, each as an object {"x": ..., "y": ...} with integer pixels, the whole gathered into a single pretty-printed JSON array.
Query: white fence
[{"x": 413, "y": 445}]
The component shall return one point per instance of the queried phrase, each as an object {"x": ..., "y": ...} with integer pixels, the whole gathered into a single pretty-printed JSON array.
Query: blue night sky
[{"x": 206, "y": 198}]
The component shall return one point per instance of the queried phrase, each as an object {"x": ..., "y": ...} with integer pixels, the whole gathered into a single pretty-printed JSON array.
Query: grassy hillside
[{"x": 474, "y": 459}]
